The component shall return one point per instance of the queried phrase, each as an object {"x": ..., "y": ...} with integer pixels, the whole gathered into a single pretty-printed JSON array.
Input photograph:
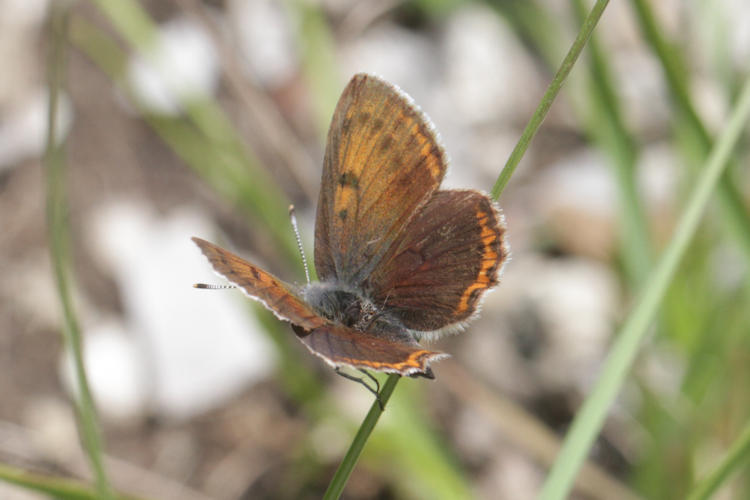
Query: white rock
[
  {"x": 52, "y": 428},
  {"x": 24, "y": 12},
  {"x": 738, "y": 32},
  {"x": 577, "y": 301},
  {"x": 722, "y": 33},
  {"x": 658, "y": 176},
  {"x": 116, "y": 371},
  {"x": 509, "y": 476},
  {"x": 644, "y": 97},
  {"x": 578, "y": 199},
  {"x": 12, "y": 492},
  {"x": 397, "y": 55},
  {"x": 568, "y": 305},
  {"x": 265, "y": 39},
  {"x": 489, "y": 75},
  {"x": 663, "y": 368},
  {"x": 181, "y": 66},
  {"x": 583, "y": 181},
  {"x": 20, "y": 57},
  {"x": 23, "y": 131},
  {"x": 490, "y": 86},
  {"x": 201, "y": 347}
]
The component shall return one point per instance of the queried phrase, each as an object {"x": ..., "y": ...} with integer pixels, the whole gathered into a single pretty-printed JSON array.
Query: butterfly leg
[
  {"x": 360, "y": 380},
  {"x": 371, "y": 377}
]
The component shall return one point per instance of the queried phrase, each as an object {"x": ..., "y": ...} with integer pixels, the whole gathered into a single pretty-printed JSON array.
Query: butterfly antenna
[
  {"x": 213, "y": 287},
  {"x": 293, "y": 217}
]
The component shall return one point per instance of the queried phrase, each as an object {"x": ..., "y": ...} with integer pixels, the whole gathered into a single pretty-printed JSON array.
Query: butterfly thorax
[{"x": 344, "y": 306}]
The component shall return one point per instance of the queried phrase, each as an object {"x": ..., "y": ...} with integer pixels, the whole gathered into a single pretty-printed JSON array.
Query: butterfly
[{"x": 399, "y": 259}]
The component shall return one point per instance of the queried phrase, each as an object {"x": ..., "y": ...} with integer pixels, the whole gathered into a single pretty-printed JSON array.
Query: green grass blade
[
  {"x": 60, "y": 488},
  {"x": 612, "y": 133},
  {"x": 338, "y": 482},
  {"x": 57, "y": 211},
  {"x": 590, "y": 418},
  {"x": 738, "y": 454},
  {"x": 131, "y": 21},
  {"x": 730, "y": 200},
  {"x": 548, "y": 98},
  {"x": 317, "y": 51}
]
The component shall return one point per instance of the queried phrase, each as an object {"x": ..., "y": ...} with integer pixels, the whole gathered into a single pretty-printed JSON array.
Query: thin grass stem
[
  {"x": 730, "y": 199},
  {"x": 612, "y": 133},
  {"x": 57, "y": 211},
  {"x": 548, "y": 98},
  {"x": 56, "y": 487},
  {"x": 738, "y": 454},
  {"x": 340, "y": 478}
]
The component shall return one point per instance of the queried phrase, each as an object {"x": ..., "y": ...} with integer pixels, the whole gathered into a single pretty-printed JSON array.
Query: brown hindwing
[
  {"x": 451, "y": 255},
  {"x": 339, "y": 345}
]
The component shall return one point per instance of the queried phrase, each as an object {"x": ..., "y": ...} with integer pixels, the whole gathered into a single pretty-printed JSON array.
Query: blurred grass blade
[
  {"x": 591, "y": 416},
  {"x": 316, "y": 48},
  {"x": 57, "y": 211},
  {"x": 738, "y": 454},
  {"x": 338, "y": 482},
  {"x": 548, "y": 98},
  {"x": 56, "y": 487},
  {"x": 730, "y": 199},
  {"x": 611, "y": 132}
]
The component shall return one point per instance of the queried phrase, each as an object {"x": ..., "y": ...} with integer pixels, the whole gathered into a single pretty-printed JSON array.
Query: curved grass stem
[
  {"x": 738, "y": 454},
  {"x": 57, "y": 232},
  {"x": 548, "y": 98}
]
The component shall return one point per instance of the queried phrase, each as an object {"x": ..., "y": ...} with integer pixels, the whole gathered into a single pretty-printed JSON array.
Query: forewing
[
  {"x": 273, "y": 293},
  {"x": 392, "y": 353},
  {"x": 451, "y": 254},
  {"x": 383, "y": 161}
]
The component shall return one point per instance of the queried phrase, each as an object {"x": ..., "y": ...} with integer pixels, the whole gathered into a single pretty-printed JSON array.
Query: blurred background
[{"x": 207, "y": 118}]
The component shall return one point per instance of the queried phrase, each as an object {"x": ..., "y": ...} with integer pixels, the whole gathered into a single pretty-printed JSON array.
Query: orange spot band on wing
[
  {"x": 413, "y": 361},
  {"x": 435, "y": 167},
  {"x": 489, "y": 260}
]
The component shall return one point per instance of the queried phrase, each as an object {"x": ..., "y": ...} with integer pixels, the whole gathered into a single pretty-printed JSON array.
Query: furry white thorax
[{"x": 346, "y": 306}]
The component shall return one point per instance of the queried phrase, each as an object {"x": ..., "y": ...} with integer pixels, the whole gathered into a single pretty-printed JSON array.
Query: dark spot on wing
[
  {"x": 399, "y": 123},
  {"x": 349, "y": 179},
  {"x": 474, "y": 296},
  {"x": 346, "y": 124},
  {"x": 387, "y": 142}
]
